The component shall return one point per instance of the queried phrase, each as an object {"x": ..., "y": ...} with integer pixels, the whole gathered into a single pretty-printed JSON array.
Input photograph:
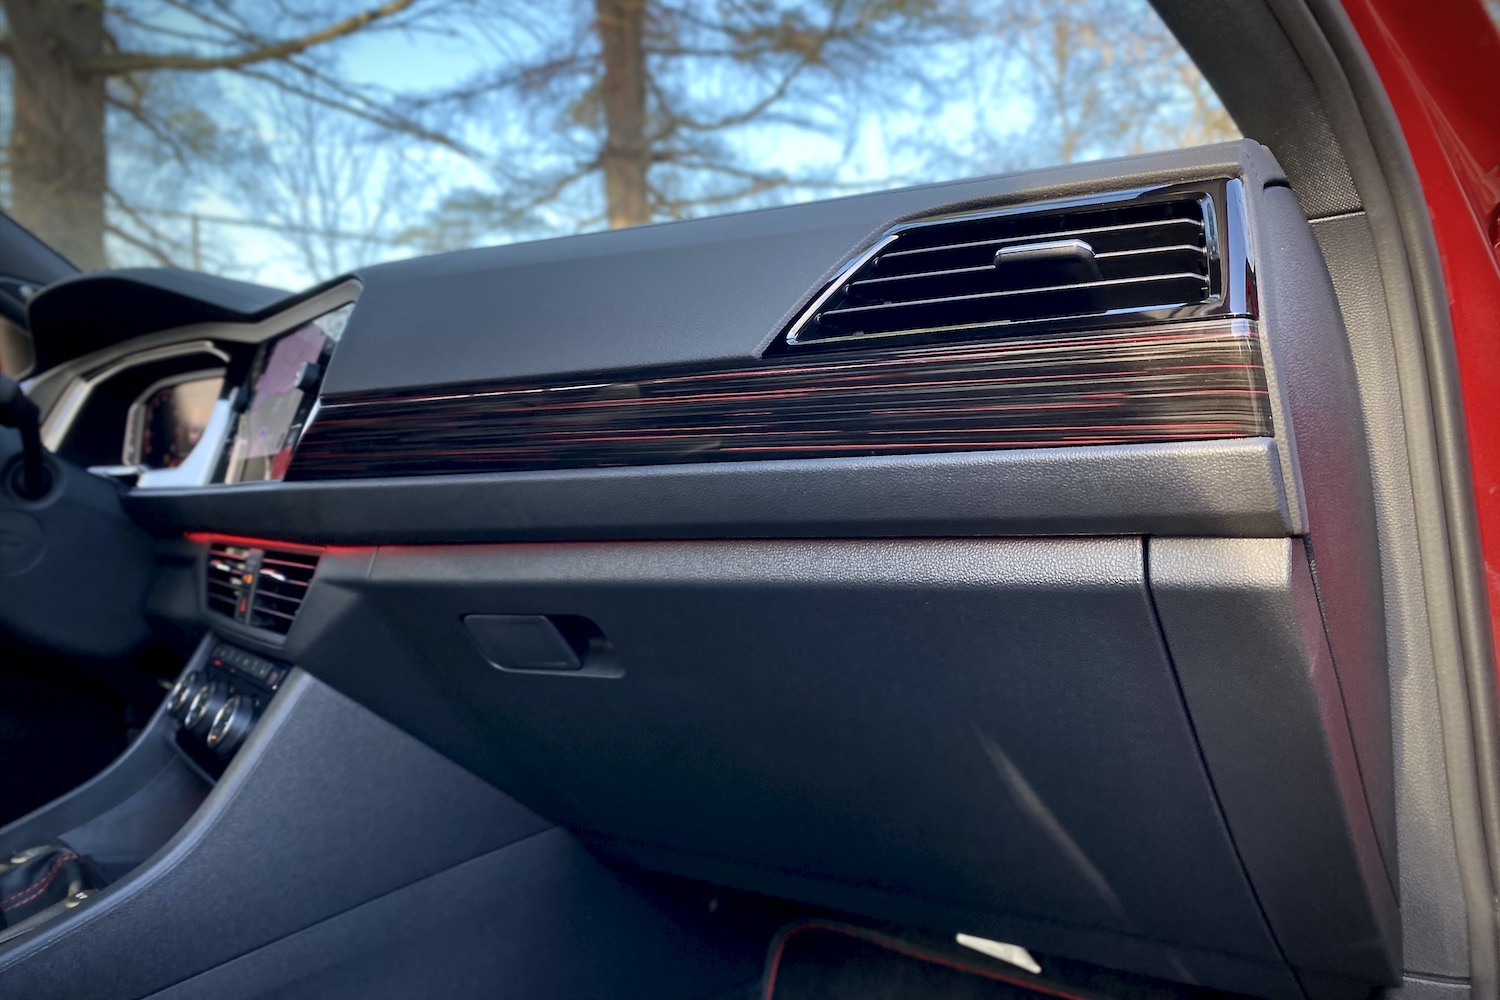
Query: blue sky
[{"x": 887, "y": 148}]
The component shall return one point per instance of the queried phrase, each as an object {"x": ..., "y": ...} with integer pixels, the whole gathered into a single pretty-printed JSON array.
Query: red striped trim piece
[{"x": 1175, "y": 382}]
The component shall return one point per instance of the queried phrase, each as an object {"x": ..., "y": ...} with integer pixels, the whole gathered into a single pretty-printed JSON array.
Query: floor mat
[{"x": 830, "y": 961}]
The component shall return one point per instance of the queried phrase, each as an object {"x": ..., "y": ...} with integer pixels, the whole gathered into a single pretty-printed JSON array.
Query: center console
[
  {"x": 266, "y": 835},
  {"x": 111, "y": 828}
]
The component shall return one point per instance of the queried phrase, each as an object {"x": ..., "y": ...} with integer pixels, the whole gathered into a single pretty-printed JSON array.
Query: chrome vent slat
[
  {"x": 1170, "y": 248},
  {"x": 1085, "y": 285},
  {"x": 889, "y": 289},
  {"x": 284, "y": 581},
  {"x": 894, "y": 280},
  {"x": 981, "y": 308},
  {"x": 1137, "y": 258},
  {"x": 1094, "y": 234}
]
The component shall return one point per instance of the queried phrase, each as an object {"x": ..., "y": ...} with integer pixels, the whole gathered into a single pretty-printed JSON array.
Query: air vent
[
  {"x": 1090, "y": 265},
  {"x": 227, "y": 580},
  {"x": 262, "y": 588},
  {"x": 280, "y": 588}
]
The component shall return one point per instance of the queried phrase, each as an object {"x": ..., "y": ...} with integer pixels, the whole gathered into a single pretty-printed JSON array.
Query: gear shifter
[
  {"x": 44, "y": 879},
  {"x": 17, "y": 411}
]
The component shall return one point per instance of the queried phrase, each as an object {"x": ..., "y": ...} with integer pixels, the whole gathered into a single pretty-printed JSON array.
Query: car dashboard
[{"x": 995, "y": 557}]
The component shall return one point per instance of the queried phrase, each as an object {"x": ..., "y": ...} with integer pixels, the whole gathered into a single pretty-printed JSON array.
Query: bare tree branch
[
  {"x": 134, "y": 62},
  {"x": 382, "y": 117},
  {"x": 155, "y": 241},
  {"x": 166, "y": 136}
]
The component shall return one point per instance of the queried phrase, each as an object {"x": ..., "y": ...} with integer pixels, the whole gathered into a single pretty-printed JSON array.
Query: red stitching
[
  {"x": 36, "y": 888},
  {"x": 900, "y": 948},
  {"x": 57, "y": 861}
]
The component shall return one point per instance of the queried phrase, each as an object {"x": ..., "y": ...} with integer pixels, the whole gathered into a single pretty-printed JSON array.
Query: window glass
[{"x": 287, "y": 141}]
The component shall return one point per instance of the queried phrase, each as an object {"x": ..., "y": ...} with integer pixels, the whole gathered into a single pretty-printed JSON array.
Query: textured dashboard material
[
  {"x": 1181, "y": 382},
  {"x": 980, "y": 734},
  {"x": 1198, "y": 488}
]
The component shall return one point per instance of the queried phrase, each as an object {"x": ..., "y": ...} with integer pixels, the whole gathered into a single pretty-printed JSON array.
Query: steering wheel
[{"x": 74, "y": 569}]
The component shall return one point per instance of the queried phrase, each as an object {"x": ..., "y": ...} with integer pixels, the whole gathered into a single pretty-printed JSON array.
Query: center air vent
[
  {"x": 227, "y": 580},
  {"x": 262, "y": 588},
  {"x": 1101, "y": 264}
]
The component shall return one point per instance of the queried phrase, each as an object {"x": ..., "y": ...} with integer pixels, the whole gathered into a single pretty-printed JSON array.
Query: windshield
[{"x": 288, "y": 141}]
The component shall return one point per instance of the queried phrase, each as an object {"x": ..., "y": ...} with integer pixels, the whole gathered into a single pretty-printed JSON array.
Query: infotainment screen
[{"x": 283, "y": 387}]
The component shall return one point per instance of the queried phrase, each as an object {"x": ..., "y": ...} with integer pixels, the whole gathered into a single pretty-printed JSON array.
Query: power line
[{"x": 273, "y": 227}]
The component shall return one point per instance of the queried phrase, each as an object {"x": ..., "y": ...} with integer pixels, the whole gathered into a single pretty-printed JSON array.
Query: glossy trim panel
[{"x": 1180, "y": 382}]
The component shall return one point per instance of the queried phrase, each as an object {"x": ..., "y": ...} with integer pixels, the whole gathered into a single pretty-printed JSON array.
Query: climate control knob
[
  {"x": 231, "y": 725},
  {"x": 207, "y": 699},
  {"x": 181, "y": 694}
]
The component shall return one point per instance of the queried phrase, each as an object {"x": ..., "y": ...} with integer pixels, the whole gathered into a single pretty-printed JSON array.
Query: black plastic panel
[
  {"x": 1434, "y": 927},
  {"x": 1327, "y": 441},
  {"x": 1182, "y": 488},
  {"x": 74, "y": 316},
  {"x": 922, "y": 721},
  {"x": 1244, "y": 629},
  {"x": 128, "y": 810}
]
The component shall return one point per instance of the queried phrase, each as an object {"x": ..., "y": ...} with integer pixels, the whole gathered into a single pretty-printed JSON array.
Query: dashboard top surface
[{"x": 78, "y": 315}]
